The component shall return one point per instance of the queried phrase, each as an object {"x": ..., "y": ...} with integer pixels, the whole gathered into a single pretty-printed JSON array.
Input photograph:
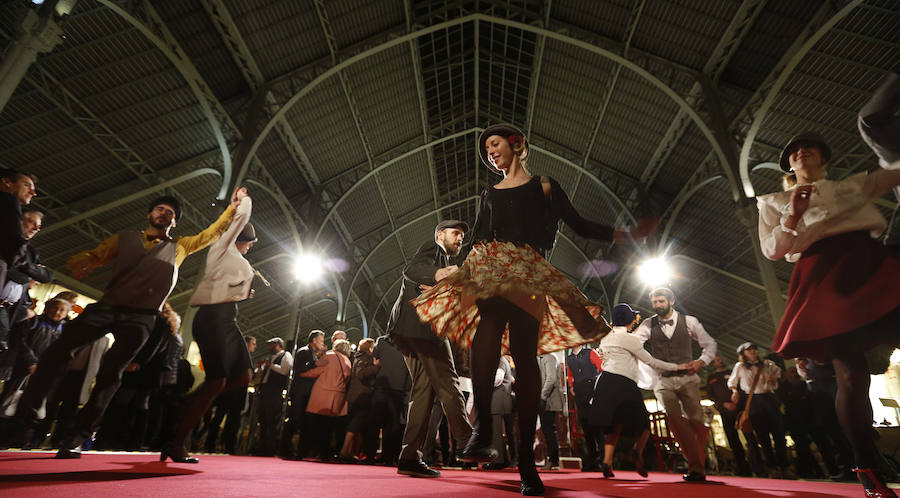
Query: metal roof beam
[
  {"x": 146, "y": 20},
  {"x": 631, "y": 65},
  {"x": 822, "y": 22},
  {"x": 420, "y": 93}
]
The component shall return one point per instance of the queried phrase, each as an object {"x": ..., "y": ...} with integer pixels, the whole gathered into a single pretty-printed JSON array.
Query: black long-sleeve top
[{"x": 524, "y": 215}]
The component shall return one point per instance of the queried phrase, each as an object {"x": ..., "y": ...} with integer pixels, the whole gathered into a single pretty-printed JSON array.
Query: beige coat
[{"x": 228, "y": 275}]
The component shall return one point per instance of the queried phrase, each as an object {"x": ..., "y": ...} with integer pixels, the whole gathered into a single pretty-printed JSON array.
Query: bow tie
[
  {"x": 152, "y": 237},
  {"x": 667, "y": 322}
]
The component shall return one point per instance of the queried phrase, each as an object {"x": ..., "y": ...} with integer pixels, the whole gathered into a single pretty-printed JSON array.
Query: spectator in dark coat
[
  {"x": 392, "y": 384},
  {"x": 28, "y": 340},
  {"x": 16, "y": 191},
  {"x": 359, "y": 397},
  {"x": 15, "y": 302},
  {"x": 301, "y": 389}
]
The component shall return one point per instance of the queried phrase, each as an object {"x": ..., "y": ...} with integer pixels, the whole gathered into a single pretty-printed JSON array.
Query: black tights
[
  {"x": 496, "y": 313},
  {"x": 854, "y": 410},
  {"x": 201, "y": 400}
]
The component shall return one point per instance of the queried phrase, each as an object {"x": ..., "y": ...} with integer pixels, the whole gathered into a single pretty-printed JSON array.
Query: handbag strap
[{"x": 753, "y": 388}]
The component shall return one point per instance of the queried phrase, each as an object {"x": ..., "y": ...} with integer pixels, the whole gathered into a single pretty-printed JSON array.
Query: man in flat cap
[
  {"x": 428, "y": 357},
  {"x": 275, "y": 371}
]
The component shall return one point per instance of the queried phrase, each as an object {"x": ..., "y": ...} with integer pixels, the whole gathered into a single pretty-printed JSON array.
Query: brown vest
[
  {"x": 141, "y": 279},
  {"x": 678, "y": 349}
]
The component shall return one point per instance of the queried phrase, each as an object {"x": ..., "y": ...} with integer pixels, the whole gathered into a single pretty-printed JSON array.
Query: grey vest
[
  {"x": 675, "y": 350},
  {"x": 142, "y": 279}
]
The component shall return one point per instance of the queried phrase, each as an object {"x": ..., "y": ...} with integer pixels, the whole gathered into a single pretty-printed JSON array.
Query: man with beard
[
  {"x": 670, "y": 334},
  {"x": 145, "y": 269},
  {"x": 428, "y": 358}
]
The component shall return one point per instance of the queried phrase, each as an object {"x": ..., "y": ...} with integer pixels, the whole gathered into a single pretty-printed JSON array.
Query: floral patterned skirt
[{"x": 523, "y": 277}]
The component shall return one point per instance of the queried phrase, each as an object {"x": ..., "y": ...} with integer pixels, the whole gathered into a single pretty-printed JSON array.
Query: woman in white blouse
[
  {"x": 844, "y": 296},
  {"x": 618, "y": 406},
  {"x": 765, "y": 409}
]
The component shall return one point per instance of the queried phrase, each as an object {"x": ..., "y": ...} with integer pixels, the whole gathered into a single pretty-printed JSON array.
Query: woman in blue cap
[
  {"x": 617, "y": 407},
  {"x": 506, "y": 295}
]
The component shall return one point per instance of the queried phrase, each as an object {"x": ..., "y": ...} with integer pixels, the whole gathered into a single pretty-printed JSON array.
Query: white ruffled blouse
[{"x": 835, "y": 207}]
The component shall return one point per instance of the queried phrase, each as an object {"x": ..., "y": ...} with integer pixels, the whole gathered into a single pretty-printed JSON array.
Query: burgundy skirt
[{"x": 843, "y": 288}]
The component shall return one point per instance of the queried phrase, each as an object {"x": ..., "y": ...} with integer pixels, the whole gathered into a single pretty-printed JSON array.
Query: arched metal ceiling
[{"x": 353, "y": 124}]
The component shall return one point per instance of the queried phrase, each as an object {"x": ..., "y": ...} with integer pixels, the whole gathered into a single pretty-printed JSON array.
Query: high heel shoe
[
  {"x": 530, "y": 483},
  {"x": 873, "y": 483},
  {"x": 607, "y": 470},
  {"x": 178, "y": 455},
  {"x": 638, "y": 461}
]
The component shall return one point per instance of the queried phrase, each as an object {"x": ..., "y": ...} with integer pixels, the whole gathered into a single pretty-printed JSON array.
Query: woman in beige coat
[
  {"x": 225, "y": 283},
  {"x": 328, "y": 400}
]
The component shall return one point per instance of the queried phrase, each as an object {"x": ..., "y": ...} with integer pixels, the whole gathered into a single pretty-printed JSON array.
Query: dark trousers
[
  {"x": 130, "y": 330},
  {"x": 505, "y": 435},
  {"x": 385, "y": 417},
  {"x": 734, "y": 440},
  {"x": 228, "y": 408},
  {"x": 269, "y": 412},
  {"x": 593, "y": 438},
  {"x": 769, "y": 422},
  {"x": 825, "y": 428},
  {"x": 548, "y": 427},
  {"x": 297, "y": 420}
]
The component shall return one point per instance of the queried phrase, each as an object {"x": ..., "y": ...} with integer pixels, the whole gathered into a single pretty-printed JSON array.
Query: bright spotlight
[
  {"x": 654, "y": 272},
  {"x": 308, "y": 268}
]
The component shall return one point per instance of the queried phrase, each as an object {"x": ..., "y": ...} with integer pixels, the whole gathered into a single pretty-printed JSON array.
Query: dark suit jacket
[
  {"x": 13, "y": 240},
  {"x": 29, "y": 267},
  {"x": 403, "y": 324},
  {"x": 304, "y": 361},
  {"x": 12, "y": 235}
]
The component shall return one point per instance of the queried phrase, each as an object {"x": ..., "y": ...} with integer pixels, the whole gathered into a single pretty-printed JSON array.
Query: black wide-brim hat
[
  {"x": 505, "y": 130},
  {"x": 784, "y": 160}
]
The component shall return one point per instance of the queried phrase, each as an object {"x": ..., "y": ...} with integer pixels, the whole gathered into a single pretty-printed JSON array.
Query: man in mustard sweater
[{"x": 145, "y": 269}]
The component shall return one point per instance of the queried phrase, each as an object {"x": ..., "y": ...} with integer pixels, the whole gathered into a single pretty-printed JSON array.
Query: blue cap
[{"x": 622, "y": 315}]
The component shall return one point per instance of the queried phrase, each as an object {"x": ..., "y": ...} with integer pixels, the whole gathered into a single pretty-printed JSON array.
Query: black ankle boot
[{"x": 479, "y": 449}]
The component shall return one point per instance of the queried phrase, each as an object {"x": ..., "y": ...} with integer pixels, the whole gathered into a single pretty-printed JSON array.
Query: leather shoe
[
  {"x": 694, "y": 477},
  {"x": 177, "y": 454},
  {"x": 495, "y": 465},
  {"x": 479, "y": 453},
  {"x": 638, "y": 461},
  {"x": 416, "y": 468},
  {"x": 69, "y": 453}
]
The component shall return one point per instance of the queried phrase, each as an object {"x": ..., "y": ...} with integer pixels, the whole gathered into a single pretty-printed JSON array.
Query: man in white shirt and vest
[
  {"x": 670, "y": 334},
  {"x": 271, "y": 388}
]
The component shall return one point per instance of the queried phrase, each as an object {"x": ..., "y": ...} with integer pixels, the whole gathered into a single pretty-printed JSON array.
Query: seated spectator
[
  {"x": 765, "y": 413},
  {"x": 28, "y": 340},
  {"x": 359, "y": 398},
  {"x": 328, "y": 399}
]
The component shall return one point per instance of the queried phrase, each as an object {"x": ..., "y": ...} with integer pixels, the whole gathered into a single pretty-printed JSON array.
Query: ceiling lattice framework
[{"x": 354, "y": 125}]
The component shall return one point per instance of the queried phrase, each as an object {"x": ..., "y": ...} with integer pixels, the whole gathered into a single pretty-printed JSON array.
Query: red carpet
[{"x": 141, "y": 474}]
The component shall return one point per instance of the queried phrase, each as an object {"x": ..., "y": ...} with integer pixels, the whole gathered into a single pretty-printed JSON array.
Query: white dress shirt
[
  {"x": 287, "y": 362},
  {"x": 621, "y": 352},
  {"x": 742, "y": 377},
  {"x": 835, "y": 207},
  {"x": 694, "y": 328}
]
